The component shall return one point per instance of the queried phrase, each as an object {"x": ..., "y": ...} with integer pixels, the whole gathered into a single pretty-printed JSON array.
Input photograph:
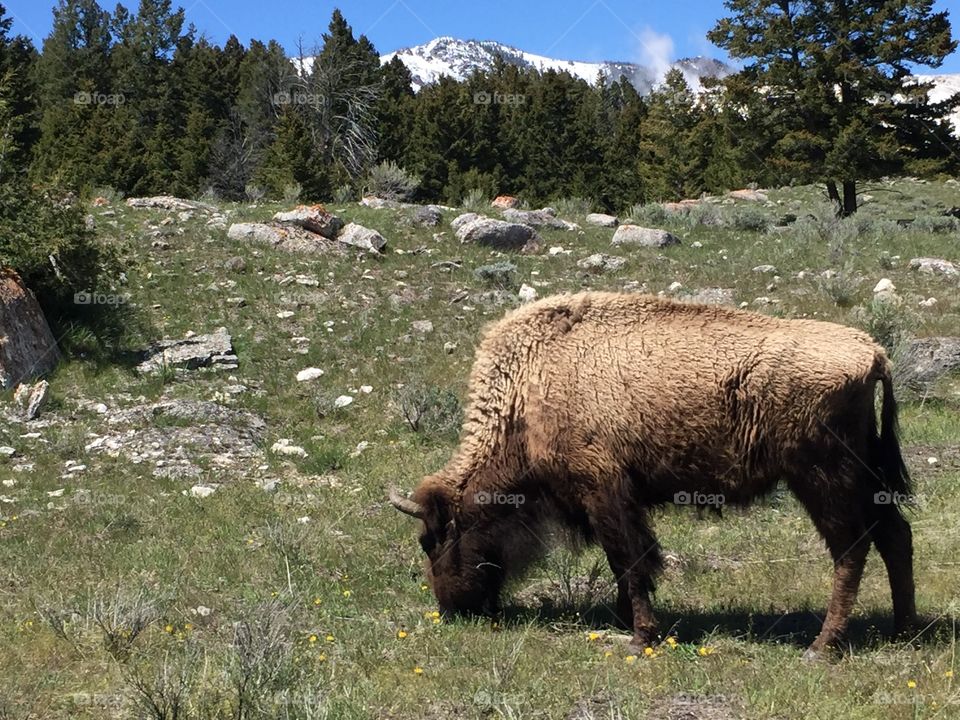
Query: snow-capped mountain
[
  {"x": 943, "y": 87},
  {"x": 459, "y": 58}
]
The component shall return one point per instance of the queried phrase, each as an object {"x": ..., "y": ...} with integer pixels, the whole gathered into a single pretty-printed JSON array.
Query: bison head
[{"x": 463, "y": 563}]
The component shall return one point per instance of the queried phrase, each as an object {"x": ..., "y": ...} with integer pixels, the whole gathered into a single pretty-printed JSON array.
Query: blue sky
[{"x": 579, "y": 30}]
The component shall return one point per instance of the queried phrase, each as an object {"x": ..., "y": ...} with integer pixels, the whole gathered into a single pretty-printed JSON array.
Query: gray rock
[
  {"x": 170, "y": 203},
  {"x": 380, "y": 203},
  {"x": 427, "y": 216},
  {"x": 31, "y": 399},
  {"x": 527, "y": 293},
  {"x": 27, "y": 347},
  {"x": 934, "y": 266},
  {"x": 602, "y": 220},
  {"x": 643, "y": 237},
  {"x": 751, "y": 195},
  {"x": 765, "y": 269},
  {"x": 461, "y": 220},
  {"x": 364, "y": 238},
  {"x": 599, "y": 262},
  {"x": 713, "y": 296},
  {"x": 422, "y": 327},
  {"x": 313, "y": 218},
  {"x": 925, "y": 360},
  {"x": 289, "y": 238},
  {"x": 212, "y": 351},
  {"x": 545, "y": 217},
  {"x": 235, "y": 264},
  {"x": 499, "y": 235}
]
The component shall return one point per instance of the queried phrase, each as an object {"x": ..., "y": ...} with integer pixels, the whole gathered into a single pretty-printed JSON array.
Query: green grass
[{"x": 323, "y": 556}]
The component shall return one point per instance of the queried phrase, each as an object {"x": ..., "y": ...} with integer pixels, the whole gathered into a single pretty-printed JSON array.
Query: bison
[{"x": 590, "y": 410}]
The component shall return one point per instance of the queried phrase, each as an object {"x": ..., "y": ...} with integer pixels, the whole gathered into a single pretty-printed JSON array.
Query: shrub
[
  {"x": 935, "y": 224},
  {"x": 705, "y": 214},
  {"x": 391, "y": 182},
  {"x": 886, "y": 319},
  {"x": 475, "y": 200},
  {"x": 840, "y": 288},
  {"x": 651, "y": 214},
  {"x": 573, "y": 207},
  {"x": 344, "y": 194},
  {"x": 254, "y": 192},
  {"x": 500, "y": 274},
  {"x": 431, "y": 410},
  {"x": 292, "y": 192},
  {"x": 751, "y": 219},
  {"x": 45, "y": 239}
]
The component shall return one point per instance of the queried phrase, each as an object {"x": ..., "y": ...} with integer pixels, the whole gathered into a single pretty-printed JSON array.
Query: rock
[
  {"x": 558, "y": 250},
  {"x": 538, "y": 218},
  {"x": 766, "y": 269},
  {"x": 928, "y": 303},
  {"x": 170, "y": 203},
  {"x": 289, "y": 238},
  {"x": 643, "y": 237},
  {"x": 308, "y": 374},
  {"x": 202, "y": 491},
  {"x": 422, "y": 327},
  {"x": 713, "y": 296},
  {"x": 343, "y": 401},
  {"x": 600, "y": 262},
  {"x": 31, "y": 399},
  {"x": 505, "y": 202},
  {"x": 601, "y": 220},
  {"x": 461, "y": 220},
  {"x": 284, "y": 446},
  {"x": 427, "y": 216},
  {"x": 499, "y": 235},
  {"x": 751, "y": 195},
  {"x": 379, "y": 203},
  {"x": 235, "y": 264},
  {"x": 682, "y": 207},
  {"x": 213, "y": 351},
  {"x": 925, "y": 360},
  {"x": 363, "y": 238},
  {"x": 313, "y": 218},
  {"x": 100, "y": 201},
  {"x": 934, "y": 266},
  {"x": 449, "y": 348},
  {"x": 527, "y": 293},
  {"x": 885, "y": 286},
  {"x": 6, "y": 451},
  {"x": 675, "y": 287},
  {"x": 27, "y": 347}
]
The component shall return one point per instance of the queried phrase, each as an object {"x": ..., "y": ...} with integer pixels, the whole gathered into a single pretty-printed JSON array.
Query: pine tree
[
  {"x": 18, "y": 129},
  {"x": 395, "y": 111},
  {"x": 832, "y": 72}
]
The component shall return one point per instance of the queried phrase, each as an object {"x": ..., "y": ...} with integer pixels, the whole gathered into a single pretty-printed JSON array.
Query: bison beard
[{"x": 597, "y": 407}]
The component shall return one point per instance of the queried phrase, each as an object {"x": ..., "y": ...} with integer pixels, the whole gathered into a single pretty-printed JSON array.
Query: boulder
[
  {"x": 313, "y": 218},
  {"x": 545, "y": 217},
  {"x": 461, "y": 220},
  {"x": 31, "y": 399},
  {"x": 427, "y": 216},
  {"x": 925, "y": 360},
  {"x": 190, "y": 353},
  {"x": 527, "y": 293},
  {"x": 599, "y": 262},
  {"x": 751, "y": 195},
  {"x": 601, "y": 220},
  {"x": 27, "y": 347},
  {"x": 363, "y": 238},
  {"x": 712, "y": 296},
  {"x": 379, "y": 203},
  {"x": 289, "y": 238},
  {"x": 684, "y": 206},
  {"x": 499, "y": 235},
  {"x": 170, "y": 204},
  {"x": 644, "y": 237},
  {"x": 934, "y": 266},
  {"x": 505, "y": 202}
]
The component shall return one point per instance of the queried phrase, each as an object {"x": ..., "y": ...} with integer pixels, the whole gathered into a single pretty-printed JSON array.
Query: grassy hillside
[{"x": 295, "y": 591}]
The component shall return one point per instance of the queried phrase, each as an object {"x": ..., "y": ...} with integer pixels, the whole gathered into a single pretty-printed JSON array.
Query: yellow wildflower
[
  {"x": 630, "y": 659},
  {"x": 594, "y": 636},
  {"x": 418, "y": 670},
  {"x": 672, "y": 641},
  {"x": 401, "y": 634},
  {"x": 312, "y": 639},
  {"x": 168, "y": 629},
  {"x": 347, "y": 593},
  {"x": 948, "y": 674},
  {"x": 911, "y": 684}
]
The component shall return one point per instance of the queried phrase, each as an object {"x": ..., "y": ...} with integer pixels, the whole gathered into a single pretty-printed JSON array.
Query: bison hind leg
[{"x": 893, "y": 539}]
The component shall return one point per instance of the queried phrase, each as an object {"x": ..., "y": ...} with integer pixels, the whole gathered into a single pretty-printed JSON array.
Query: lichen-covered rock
[
  {"x": 362, "y": 237},
  {"x": 27, "y": 347},
  {"x": 313, "y": 218},
  {"x": 643, "y": 237},
  {"x": 499, "y": 235}
]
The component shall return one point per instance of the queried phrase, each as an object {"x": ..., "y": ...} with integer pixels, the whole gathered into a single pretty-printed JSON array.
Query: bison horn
[{"x": 405, "y": 504}]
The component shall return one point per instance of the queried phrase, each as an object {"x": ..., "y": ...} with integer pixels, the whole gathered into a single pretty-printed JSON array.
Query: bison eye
[{"x": 428, "y": 542}]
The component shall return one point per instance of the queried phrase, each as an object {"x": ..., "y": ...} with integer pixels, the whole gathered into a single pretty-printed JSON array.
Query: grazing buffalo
[{"x": 589, "y": 410}]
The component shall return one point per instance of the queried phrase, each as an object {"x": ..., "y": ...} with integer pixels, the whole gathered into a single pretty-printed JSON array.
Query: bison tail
[{"x": 889, "y": 460}]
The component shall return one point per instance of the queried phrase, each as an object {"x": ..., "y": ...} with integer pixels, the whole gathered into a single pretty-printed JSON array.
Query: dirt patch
[{"x": 693, "y": 707}]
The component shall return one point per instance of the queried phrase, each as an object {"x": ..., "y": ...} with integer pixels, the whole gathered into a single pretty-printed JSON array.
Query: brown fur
[{"x": 596, "y": 407}]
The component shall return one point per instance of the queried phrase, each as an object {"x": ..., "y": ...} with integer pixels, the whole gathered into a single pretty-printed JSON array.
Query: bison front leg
[{"x": 644, "y": 562}]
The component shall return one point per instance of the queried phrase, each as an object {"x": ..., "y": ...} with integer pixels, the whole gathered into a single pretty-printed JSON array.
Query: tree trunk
[
  {"x": 27, "y": 347},
  {"x": 834, "y": 195},
  {"x": 849, "y": 197}
]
